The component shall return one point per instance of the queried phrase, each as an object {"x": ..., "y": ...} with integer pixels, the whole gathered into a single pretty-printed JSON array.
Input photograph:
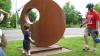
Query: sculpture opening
[{"x": 33, "y": 16}]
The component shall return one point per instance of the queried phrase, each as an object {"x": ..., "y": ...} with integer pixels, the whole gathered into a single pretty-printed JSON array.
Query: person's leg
[
  {"x": 28, "y": 49},
  {"x": 86, "y": 40},
  {"x": 24, "y": 48},
  {"x": 28, "y": 53},
  {"x": 23, "y": 51},
  {"x": 94, "y": 36},
  {"x": 94, "y": 46}
]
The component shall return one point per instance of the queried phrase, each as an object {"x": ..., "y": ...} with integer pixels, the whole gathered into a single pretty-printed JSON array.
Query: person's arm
[
  {"x": 0, "y": 44},
  {"x": 1, "y": 10},
  {"x": 97, "y": 25},
  {"x": 97, "y": 17},
  {"x": 32, "y": 41},
  {"x": 83, "y": 23},
  {"x": 3, "y": 41},
  {"x": 6, "y": 13}
]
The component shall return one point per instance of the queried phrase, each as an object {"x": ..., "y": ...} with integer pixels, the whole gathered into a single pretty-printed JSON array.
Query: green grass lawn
[
  {"x": 76, "y": 45},
  {"x": 73, "y": 43},
  {"x": 13, "y": 48},
  {"x": 73, "y": 26}
]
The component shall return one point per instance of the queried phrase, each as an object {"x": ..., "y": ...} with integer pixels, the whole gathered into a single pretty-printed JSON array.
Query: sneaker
[
  {"x": 86, "y": 49},
  {"x": 94, "y": 50},
  {"x": 23, "y": 52},
  {"x": 28, "y": 53}
]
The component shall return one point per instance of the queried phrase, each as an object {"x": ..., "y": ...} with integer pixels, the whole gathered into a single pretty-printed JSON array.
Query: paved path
[
  {"x": 70, "y": 32},
  {"x": 16, "y": 34}
]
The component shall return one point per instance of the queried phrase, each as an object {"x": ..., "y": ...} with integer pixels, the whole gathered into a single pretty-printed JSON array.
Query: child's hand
[{"x": 33, "y": 42}]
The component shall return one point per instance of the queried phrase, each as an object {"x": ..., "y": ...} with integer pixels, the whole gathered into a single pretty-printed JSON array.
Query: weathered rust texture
[{"x": 51, "y": 25}]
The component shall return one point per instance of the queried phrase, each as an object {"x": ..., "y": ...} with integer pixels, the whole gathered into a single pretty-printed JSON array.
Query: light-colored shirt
[
  {"x": 0, "y": 35},
  {"x": 1, "y": 17}
]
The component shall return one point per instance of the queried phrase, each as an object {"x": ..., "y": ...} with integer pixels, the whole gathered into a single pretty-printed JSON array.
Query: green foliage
[
  {"x": 32, "y": 16},
  {"x": 13, "y": 48},
  {"x": 97, "y": 7},
  {"x": 5, "y": 5},
  {"x": 70, "y": 13},
  {"x": 4, "y": 23},
  {"x": 76, "y": 44},
  {"x": 13, "y": 21}
]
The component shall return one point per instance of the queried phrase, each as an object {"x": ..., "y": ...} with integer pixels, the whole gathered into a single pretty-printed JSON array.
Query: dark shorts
[
  {"x": 91, "y": 33},
  {"x": 26, "y": 45}
]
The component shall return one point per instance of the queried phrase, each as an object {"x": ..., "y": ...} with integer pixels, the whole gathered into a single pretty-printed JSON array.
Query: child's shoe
[{"x": 29, "y": 53}]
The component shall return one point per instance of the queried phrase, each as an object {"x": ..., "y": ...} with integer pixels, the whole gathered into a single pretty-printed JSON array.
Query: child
[{"x": 27, "y": 40}]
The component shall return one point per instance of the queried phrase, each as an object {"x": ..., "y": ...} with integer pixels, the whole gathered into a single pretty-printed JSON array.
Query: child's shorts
[{"x": 26, "y": 45}]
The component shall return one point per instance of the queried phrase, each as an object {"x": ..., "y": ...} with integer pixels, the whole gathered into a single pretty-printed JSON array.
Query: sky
[{"x": 80, "y": 5}]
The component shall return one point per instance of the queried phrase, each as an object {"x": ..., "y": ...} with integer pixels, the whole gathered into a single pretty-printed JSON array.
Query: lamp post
[
  {"x": 16, "y": 13},
  {"x": 17, "y": 10}
]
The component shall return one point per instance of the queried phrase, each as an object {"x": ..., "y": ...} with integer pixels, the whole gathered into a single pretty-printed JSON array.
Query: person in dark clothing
[{"x": 27, "y": 40}]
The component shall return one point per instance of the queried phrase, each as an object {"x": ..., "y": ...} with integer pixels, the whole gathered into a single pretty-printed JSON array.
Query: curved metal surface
[{"x": 51, "y": 25}]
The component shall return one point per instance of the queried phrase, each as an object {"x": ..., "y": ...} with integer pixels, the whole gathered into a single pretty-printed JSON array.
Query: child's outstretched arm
[{"x": 32, "y": 41}]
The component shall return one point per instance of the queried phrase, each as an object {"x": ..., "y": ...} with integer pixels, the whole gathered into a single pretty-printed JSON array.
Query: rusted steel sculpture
[{"x": 51, "y": 24}]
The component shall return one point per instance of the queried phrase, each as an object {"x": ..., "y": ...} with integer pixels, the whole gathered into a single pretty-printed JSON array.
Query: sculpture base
[{"x": 46, "y": 51}]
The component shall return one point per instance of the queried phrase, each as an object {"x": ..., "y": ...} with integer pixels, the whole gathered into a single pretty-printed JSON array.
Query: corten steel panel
[{"x": 51, "y": 25}]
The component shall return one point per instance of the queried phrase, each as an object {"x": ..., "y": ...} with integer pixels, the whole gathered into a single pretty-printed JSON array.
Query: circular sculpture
[{"x": 51, "y": 24}]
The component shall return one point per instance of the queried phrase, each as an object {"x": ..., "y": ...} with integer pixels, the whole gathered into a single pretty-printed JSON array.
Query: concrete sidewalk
[{"x": 16, "y": 34}]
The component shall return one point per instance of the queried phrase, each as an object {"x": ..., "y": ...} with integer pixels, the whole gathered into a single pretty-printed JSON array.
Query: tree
[
  {"x": 6, "y": 6},
  {"x": 80, "y": 19},
  {"x": 97, "y": 7},
  {"x": 13, "y": 20},
  {"x": 70, "y": 13},
  {"x": 32, "y": 16}
]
